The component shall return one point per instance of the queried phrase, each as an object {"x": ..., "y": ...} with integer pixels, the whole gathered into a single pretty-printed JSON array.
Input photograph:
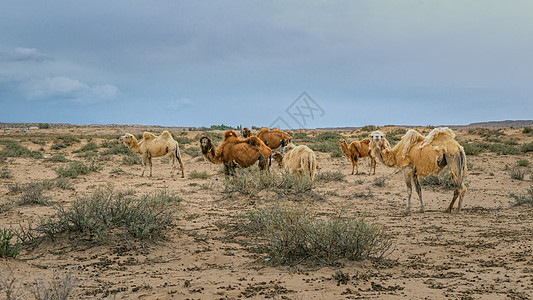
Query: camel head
[
  {"x": 205, "y": 144},
  {"x": 246, "y": 132},
  {"x": 377, "y": 139},
  {"x": 287, "y": 147},
  {"x": 128, "y": 139},
  {"x": 278, "y": 157},
  {"x": 342, "y": 142},
  {"x": 229, "y": 134}
]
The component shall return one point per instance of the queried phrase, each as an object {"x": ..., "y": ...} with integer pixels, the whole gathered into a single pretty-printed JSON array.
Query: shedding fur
[
  {"x": 300, "y": 160},
  {"x": 155, "y": 146},
  {"x": 234, "y": 151},
  {"x": 417, "y": 156},
  {"x": 356, "y": 150}
]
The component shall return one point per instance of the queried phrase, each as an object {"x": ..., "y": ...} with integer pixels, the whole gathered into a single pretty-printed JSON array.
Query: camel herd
[{"x": 416, "y": 155}]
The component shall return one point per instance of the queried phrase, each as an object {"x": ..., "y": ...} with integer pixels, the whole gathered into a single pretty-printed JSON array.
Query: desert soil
[{"x": 484, "y": 252}]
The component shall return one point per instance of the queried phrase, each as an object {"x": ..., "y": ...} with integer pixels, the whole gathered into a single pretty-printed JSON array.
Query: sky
[{"x": 289, "y": 64}]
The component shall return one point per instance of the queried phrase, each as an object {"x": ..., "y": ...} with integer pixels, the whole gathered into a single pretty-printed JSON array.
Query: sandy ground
[{"x": 485, "y": 252}]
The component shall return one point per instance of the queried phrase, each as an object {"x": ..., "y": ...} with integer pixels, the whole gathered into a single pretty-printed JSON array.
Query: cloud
[
  {"x": 179, "y": 103},
  {"x": 59, "y": 87},
  {"x": 21, "y": 54}
]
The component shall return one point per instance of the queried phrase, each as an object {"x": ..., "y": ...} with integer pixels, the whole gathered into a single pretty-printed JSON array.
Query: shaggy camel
[
  {"x": 356, "y": 150},
  {"x": 299, "y": 159},
  {"x": 246, "y": 132},
  {"x": 274, "y": 137},
  {"x": 417, "y": 156},
  {"x": 155, "y": 146},
  {"x": 234, "y": 151}
]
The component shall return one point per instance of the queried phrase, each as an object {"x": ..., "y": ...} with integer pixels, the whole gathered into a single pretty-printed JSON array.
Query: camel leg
[
  {"x": 408, "y": 175},
  {"x": 145, "y": 163},
  {"x": 461, "y": 195},
  {"x": 353, "y": 165},
  {"x": 418, "y": 191},
  {"x": 174, "y": 166},
  {"x": 356, "y": 164},
  {"x": 150, "y": 163},
  {"x": 181, "y": 165}
]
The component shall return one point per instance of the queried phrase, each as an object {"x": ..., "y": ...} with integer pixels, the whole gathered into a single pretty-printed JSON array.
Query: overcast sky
[{"x": 198, "y": 63}]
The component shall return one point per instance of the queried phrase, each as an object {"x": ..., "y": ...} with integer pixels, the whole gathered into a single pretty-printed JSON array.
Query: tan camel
[
  {"x": 274, "y": 137},
  {"x": 299, "y": 159},
  {"x": 155, "y": 146},
  {"x": 356, "y": 150},
  {"x": 417, "y": 156},
  {"x": 234, "y": 151}
]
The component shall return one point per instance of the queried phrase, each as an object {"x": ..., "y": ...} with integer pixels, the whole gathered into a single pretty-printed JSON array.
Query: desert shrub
[
  {"x": 251, "y": 181},
  {"x": 59, "y": 157},
  {"x": 193, "y": 151},
  {"x": 215, "y": 137},
  {"x": 13, "y": 149},
  {"x": 59, "y": 287},
  {"x": 44, "y": 125},
  {"x": 105, "y": 213},
  {"x": 369, "y": 128},
  {"x": 495, "y": 132},
  {"x": 5, "y": 173},
  {"x": 397, "y": 131},
  {"x": 8, "y": 248},
  {"x": 196, "y": 174},
  {"x": 527, "y": 130},
  {"x": 527, "y": 147},
  {"x": 33, "y": 193},
  {"x": 523, "y": 199},
  {"x": 330, "y": 176},
  {"x": 75, "y": 168},
  {"x": 58, "y": 146},
  {"x": 89, "y": 147},
  {"x": 330, "y": 146},
  {"x": 116, "y": 148},
  {"x": 183, "y": 140},
  {"x": 292, "y": 235},
  {"x": 503, "y": 149},
  {"x": 131, "y": 160},
  {"x": 117, "y": 171},
  {"x": 443, "y": 179},
  {"x": 517, "y": 173},
  {"x": 329, "y": 136},
  {"x": 523, "y": 162},
  {"x": 301, "y": 137},
  {"x": 67, "y": 140},
  {"x": 379, "y": 181}
]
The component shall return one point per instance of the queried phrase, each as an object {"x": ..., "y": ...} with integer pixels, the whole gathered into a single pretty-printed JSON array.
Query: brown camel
[
  {"x": 274, "y": 137},
  {"x": 417, "y": 156},
  {"x": 155, "y": 146},
  {"x": 234, "y": 151},
  {"x": 246, "y": 132},
  {"x": 356, "y": 150}
]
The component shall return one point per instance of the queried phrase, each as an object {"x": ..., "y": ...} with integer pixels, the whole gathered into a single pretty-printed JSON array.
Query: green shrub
[
  {"x": 524, "y": 199},
  {"x": 7, "y": 247},
  {"x": 67, "y": 140},
  {"x": 527, "y": 130},
  {"x": 131, "y": 159},
  {"x": 13, "y": 149},
  {"x": 107, "y": 213},
  {"x": 116, "y": 149},
  {"x": 193, "y": 151},
  {"x": 75, "y": 168},
  {"x": 301, "y": 137},
  {"x": 44, "y": 125},
  {"x": 523, "y": 162},
  {"x": 33, "y": 193},
  {"x": 369, "y": 128},
  {"x": 58, "y": 146},
  {"x": 330, "y": 146},
  {"x": 329, "y": 136},
  {"x": 91, "y": 146},
  {"x": 195, "y": 174},
  {"x": 59, "y": 157},
  {"x": 291, "y": 236},
  {"x": 443, "y": 179},
  {"x": 5, "y": 173},
  {"x": 527, "y": 147}
]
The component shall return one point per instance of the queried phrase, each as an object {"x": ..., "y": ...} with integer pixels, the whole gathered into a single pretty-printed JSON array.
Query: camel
[
  {"x": 298, "y": 159},
  {"x": 417, "y": 156},
  {"x": 278, "y": 157},
  {"x": 155, "y": 146},
  {"x": 234, "y": 151},
  {"x": 274, "y": 137},
  {"x": 356, "y": 150},
  {"x": 246, "y": 132}
]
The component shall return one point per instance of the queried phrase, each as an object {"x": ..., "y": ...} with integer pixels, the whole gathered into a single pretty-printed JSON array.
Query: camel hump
[
  {"x": 365, "y": 141},
  {"x": 166, "y": 135},
  {"x": 438, "y": 135},
  {"x": 253, "y": 141},
  {"x": 229, "y": 133},
  {"x": 148, "y": 136},
  {"x": 411, "y": 138}
]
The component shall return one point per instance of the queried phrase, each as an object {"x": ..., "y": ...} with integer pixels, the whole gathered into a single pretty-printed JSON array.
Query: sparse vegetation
[
  {"x": 131, "y": 160},
  {"x": 524, "y": 199},
  {"x": 33, "y": 193},
  {"x": 89, "y": 147},
  {"x": 106, "y": 212},
  {"x": 196, "y": 174},
  {"x": 8, "y": 247},
  {"x": 57, "y": 288},
  {"x": 369, "y": 128},
  {"x": 74, "y": 169},
  {"x": 328, "y": 176},
  {"x": 379, "y": 181},
  {"x": 443, "y": 179},
  {"x": 523, "y": 162},
  {"x": 527, "y": 147},
  {"x": 59, "y": 157},
  {"x": 527, "y": 130},
  {"x": 5, "y": 173},
  {"x": 517, "y": 173},
  {"x": 115, "y": 148},
  {"x": 291, "y": 236},
  {"x": 13, "y": 149}
]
